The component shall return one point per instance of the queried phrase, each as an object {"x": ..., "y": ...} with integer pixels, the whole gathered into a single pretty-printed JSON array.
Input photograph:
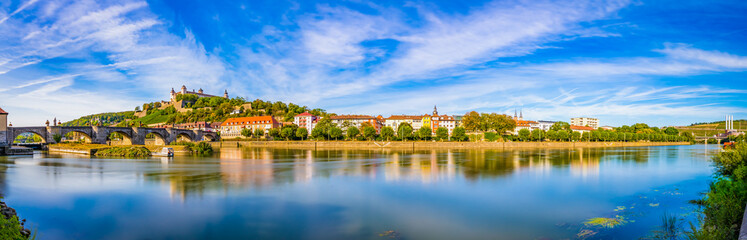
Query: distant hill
[
  {"x": 712, "y": 128},
  {"x": 210, "y": 109}
]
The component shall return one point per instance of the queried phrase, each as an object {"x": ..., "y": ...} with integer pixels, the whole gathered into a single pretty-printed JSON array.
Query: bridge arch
[
  {"x": 118, "y": 137},
  {"x": 155, "y": 138},
  {"x": 78, "y": 133},
  {"x": 209, "y": 136},
  {"x": 38, "y": 135},
  {"x": 184, "y": 137}
]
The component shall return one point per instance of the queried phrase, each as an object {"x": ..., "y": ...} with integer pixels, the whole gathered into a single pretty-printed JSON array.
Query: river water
[{"x": 263, "y": 193}]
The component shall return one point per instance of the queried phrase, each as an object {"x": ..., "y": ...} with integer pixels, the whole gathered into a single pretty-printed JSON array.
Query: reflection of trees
[
  {"x": 4, "y": 162},
  {"x": 265, "y": 167}
]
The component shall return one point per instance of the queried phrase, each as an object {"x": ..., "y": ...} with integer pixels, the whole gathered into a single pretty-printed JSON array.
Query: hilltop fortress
[{"x": 199, "y": 93}]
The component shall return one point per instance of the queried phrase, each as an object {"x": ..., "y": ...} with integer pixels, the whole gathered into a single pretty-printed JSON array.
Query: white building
[
  {"x": 356, "y": 121},
  {"x": 544, "y": 125},
  {"x": 306, "y": 120},
  {"x": 585, "y": 121},
  {"x": 395, "y": 120}
]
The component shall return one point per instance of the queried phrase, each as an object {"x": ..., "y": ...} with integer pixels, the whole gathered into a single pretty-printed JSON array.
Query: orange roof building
[{"x": 232, "y": 127}]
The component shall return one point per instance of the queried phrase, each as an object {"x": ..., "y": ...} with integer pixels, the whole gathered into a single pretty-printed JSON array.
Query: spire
[
  {"x": 435, "y": 111},
  {"x": 515, "y": 115},
  {"x": 521, "y": 114},
  {"x": 225, "y": 93}
]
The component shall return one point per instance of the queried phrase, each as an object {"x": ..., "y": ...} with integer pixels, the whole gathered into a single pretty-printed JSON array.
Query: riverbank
[
  {"x": 10, "y": 226},
  {"x": 432, "y": 145}
]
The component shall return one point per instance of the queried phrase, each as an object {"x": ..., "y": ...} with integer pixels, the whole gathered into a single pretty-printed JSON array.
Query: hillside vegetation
[
  {"x": 712, "y": 128},
  {"x": 210, "y": 109}
]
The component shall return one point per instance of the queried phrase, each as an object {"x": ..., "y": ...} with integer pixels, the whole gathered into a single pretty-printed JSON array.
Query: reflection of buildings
[{"x": 585, "y": 162}]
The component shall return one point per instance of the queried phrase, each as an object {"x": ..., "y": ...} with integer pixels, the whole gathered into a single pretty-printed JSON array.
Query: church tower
[
  {"x": 225, "y": 94},
  {"x": 435, "y": 111},
  {"x": 184, "y": 89}
]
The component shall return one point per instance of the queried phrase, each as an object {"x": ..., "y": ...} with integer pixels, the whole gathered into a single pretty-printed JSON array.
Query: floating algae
[
  {"x": 606, "y": 222},
  {"x": 653, "y": 204},
  {"x": 619, "y": 208},
  {"x": 391, "y": 234},
  {"x": 586, "y": 233}
]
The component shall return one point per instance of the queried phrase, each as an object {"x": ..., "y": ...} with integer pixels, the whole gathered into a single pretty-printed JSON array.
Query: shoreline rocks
[{"x": 9, "y": 213}]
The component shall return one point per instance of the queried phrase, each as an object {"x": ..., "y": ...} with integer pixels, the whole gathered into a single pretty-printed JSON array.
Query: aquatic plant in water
[{"x": 606, "y": 222}]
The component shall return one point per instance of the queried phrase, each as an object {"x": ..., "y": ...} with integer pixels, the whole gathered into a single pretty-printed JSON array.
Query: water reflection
[{"x": 256, "y": 168}]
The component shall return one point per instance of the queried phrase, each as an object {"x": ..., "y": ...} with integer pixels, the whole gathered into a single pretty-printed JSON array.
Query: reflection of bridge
[{"x": 100, "y": 135}]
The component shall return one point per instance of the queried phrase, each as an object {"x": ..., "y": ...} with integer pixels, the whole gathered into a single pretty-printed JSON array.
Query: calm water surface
[{"x": 260, "y": 193}]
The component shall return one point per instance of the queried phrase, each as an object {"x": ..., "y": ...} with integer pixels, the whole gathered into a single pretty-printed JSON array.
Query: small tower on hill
[{"x": 225, "y": 93}]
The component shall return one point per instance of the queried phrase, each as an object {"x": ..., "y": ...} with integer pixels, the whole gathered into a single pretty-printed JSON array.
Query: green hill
[
  {"x": 211, "y": 109},
  {"x": 712, "y": 128}
]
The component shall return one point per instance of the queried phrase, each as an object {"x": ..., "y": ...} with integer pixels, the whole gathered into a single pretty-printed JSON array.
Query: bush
[
  {"x": 203, "y": 148},
  {"x": 490, "y": 136},
  {"x": 123, "y": 152}
]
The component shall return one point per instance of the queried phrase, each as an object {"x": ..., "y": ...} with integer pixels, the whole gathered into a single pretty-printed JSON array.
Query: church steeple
[
  {"x": 225, "y": 93},
  {"x": 435, "y": 111}
]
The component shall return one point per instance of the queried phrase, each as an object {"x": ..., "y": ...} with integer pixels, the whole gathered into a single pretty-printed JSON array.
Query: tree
[
  {"x": 274, "y": 133},
  {"x": 552, "y": 135},
  {"x": 500, "y": 123},
  {"x": 671, "y": 131},
  {"x": 335, "y": 133},
  {"x": 404, "y": 131},
  {"x": 318, "y": 133},
  {"x": 471, "y": 121},
  {"x": 369, "y": 132},
  {"x": 258, "y": 133},
  {"x": 524, "y": 134},
  {"x": 353, "y": 133},
  {"x": 288, "y": 132},
  {"x": 639, "y": 127},
  {"x": 459, "y": 134},
  {"x": 246, "y": 132},
  {"x": 442, "y": 133},
  {"x": 424, "y": 133},
  {"x": 387, "y": 133},
  {"x": 137, "y": 109},
  {"x": 575, "y": 136},
  {"x": 537, "y": 135},
  {"x": 302, "y": 133},
  {"x": 557, "y": 126},
  {"x": 563, "y": 135}
]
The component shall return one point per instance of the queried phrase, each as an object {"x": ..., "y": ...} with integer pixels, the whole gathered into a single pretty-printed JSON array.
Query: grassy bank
[
  {"x": 724, "y": 205},
  {"x": 127, "y": 151}
]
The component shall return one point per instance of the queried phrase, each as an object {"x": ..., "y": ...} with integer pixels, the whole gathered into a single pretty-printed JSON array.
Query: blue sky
[{"x": 659, "y": 62}]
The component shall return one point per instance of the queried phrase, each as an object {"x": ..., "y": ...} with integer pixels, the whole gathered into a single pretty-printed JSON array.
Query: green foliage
[
  {"x": 524, "y": 134},
  {"x": 723, "y": 206},
  {"x": 490, "y": 136},
  {"x": 335, "y": 133},
  {"x": 10, "y": 229},
  {"x": 423, "y": 133},
  {"x": 274, "y": 133},
  {"x": 404, "y": 131},
  {"x": 369, "y": 132},
  {"x": 671, "y": 131},
  {"x": 353, "y": 133},
  {"x": 557, "y": 126},
  {"x": 302, "y": 133},
  {"x": 105, "y": 119},
  {"x": 57, "y": 138},
  {"x": 442, "y": 133},
  {"x": 246, "y": 132},
  {"x": 186, "y": 97},
  {"x": 288, "y": 132},
  {"x": 459, "y": 134},
  {"x": 258, "y": 133},
  {"x": 387, "y": 133},
  {"x": 537, "y": 135},
  {"x": 474, "y": 121},
  {"x": 203, "y": 148},
  {"x": 129, "y": 151}
]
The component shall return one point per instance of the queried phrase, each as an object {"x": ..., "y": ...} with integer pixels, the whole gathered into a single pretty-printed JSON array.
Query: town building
[
  {"x": 582, "y": 129},
  {"x": 199, "y": 93},
  {"x": 607, "y": 128},
  {"x": 394, "y": 121},
  {"x": 343, "y": 121},
  {"x": 445, "y": 121},
  {"x": 232, "y": 127},
  {"x": 544, "y": 125},
  {"x": 306, "y": 120},
  {"x": 585, "y": 121}
]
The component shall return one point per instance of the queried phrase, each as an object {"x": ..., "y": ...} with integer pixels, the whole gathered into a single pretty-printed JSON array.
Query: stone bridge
[{"x": 100, "y": 135}]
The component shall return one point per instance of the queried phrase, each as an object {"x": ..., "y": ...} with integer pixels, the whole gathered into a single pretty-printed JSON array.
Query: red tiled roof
[
  {"x": 351, "y": 117},
  {"x": 247, "y": 120},
  {"x": 402, "y": 117},
  {"x": 305, "y": 114},
  {"x": 582, "y": 128},
  {"x": 3, "y": 111}
]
